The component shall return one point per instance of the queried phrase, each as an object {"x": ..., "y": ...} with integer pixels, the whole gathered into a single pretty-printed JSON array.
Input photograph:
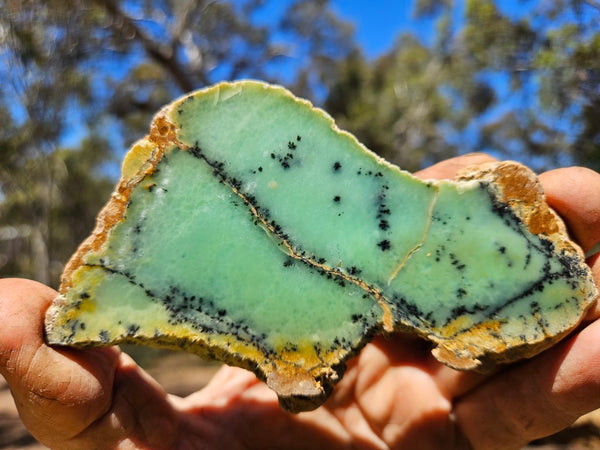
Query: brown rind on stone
[
  {"x": 519, "y": 188},
  {"x": 297, "y": 390},
  {"x": 139, "y": 162},
  {"x": 454, "y": 353},
  {"x": 303, "y": 389}
]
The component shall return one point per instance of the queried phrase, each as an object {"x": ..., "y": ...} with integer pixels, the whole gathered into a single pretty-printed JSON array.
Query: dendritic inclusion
[{"x": 247, "y": 228}]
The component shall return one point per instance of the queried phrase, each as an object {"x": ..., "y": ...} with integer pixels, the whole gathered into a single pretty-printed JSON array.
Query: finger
[
  {"x": 448, "y": 168},
  {"x": 537, "y": 398},
  {"x": 72, "y": 398},
  {"x": 57, "y": 393},
  {"x": 235, "y": 409},
  {"x": 227, "y": 383},
  {"x": 391, "y": 396},
  {"x": 406, "y": 349},
  {"x": 574, "y": 193},
  {"x": 141, "y": 414}
]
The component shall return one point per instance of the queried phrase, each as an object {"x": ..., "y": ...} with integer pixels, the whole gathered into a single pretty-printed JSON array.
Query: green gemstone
[{"x": 247, "y": 228}]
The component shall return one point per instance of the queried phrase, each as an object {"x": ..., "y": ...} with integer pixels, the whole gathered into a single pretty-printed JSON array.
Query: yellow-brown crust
[
  {"x": 514, "y": 185},
  {"x": 518, "y": 187},
  {"x": 139, "y": 162}
]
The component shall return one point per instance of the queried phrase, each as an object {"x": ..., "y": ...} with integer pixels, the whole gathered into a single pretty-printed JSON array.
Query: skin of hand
[{"x": 394, "y": 394}]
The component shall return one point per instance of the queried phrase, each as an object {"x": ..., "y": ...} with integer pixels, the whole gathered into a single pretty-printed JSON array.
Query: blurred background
[{"x": 417, "y": 81}]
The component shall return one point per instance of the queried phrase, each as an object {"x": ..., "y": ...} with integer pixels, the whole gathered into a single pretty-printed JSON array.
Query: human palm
[{"x": 394, "y": 394}]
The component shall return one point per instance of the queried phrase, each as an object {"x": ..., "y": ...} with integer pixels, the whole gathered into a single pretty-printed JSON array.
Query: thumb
[{"x": 58, "y": 393}]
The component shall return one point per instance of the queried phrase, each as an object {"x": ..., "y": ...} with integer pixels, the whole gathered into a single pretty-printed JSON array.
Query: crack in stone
[
  {"x": 468, "y": 330},
  {"x": 281, "y": 239},
  {"x": 275, "y": 230},
  {"x": 422, "y": 240}
]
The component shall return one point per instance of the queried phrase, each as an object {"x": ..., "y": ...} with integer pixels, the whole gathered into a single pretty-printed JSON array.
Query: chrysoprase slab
[{"x": 246, "y": 227}]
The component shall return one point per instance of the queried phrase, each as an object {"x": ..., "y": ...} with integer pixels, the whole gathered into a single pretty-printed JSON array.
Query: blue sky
[
  {"x": 377, "y": 25},
  {"x": 378, "y": 22}
]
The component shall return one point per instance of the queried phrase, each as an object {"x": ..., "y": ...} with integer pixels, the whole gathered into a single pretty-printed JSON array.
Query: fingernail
[{"x": 591, "y": 252}]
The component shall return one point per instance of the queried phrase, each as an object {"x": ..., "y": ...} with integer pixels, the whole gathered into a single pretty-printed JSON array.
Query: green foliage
[
  {"x": 75, "y": 71},
  {"x": 397, "y": 106},
  {"x": 198, "y": 43},
  {"x": 522, "y": 85},
  {"x": 42, "y": 82},
  {"x": 80, "y": 81}
]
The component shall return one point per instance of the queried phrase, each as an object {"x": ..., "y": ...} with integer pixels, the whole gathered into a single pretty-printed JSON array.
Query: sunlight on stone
[{"x": 247, "y": 228}]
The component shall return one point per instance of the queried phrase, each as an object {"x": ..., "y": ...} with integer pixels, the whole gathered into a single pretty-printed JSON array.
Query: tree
[
  {"x": 551, "y": 59},
  {"x": 74, "y": 71},
  {"x": 196, "y": 43},
  {"x": 42, "y": 85},
  {"x": 521, "y": 83},
  {"x": 399, "y": 106}
]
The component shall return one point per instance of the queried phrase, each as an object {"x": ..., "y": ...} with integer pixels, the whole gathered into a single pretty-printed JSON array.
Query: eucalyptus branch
[
  {"x": 166, "y": 58},
  {"x": 593, "y": 3}
]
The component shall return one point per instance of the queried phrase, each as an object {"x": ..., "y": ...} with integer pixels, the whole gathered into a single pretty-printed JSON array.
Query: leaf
[{"x": 247, "y": 228}]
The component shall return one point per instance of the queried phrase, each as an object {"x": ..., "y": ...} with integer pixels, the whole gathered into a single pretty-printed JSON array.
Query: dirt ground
[{"x": 182, "y": 374}]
